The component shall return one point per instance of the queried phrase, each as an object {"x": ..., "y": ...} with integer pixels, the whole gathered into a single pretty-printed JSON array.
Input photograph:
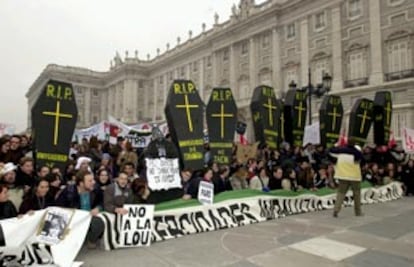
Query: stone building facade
[{"x": 365, "y": 45}]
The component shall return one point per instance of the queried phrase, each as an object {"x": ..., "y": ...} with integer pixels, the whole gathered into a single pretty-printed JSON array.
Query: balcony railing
[
  {"x": 356, "y": 82},
  {"x": 392, "y": 76}
]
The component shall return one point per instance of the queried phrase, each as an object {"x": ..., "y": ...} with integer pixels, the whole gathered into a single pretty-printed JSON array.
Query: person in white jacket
[
  {"x": 348, "y": 172},
  {"x": 261, "y": 181}
]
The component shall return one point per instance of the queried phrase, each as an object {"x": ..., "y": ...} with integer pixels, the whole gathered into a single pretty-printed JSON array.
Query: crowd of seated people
[{"x": 103, "y": 177}]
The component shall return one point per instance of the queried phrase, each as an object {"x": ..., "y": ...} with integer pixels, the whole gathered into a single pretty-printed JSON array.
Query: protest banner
[
  {"x": 382, "y": 117},
  {"x": 98, "y": 130},
  {"x": 360, "y": 121},
  {"x": 54, "y": 118},
  {"x": 266, "y": 111},
  {"x": 295, "y": 108},
  {"x": 138, "y": 138},
  {"x": 312, "y": 134},
  {"x": 163, "y": 173},
  {"x": 330, "y": 118},
  {"x": 205, "y": 193},
  {"x": 6, "y": 128},
  {"x": 247, "y": 207},
  {"x": 136, "y": 225},
  {"x": 221, "y": 116},
  {"x": 408, "y": 140},
  {"x": 22, "y": 246},
  {"x": 184, "y": 113}
]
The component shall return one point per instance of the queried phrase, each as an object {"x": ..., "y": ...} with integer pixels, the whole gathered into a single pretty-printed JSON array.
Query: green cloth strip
[{"x": 239, "y": 194}]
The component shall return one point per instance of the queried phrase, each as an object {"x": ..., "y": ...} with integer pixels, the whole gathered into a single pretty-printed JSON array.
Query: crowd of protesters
[{"x": 101, "y": 176}]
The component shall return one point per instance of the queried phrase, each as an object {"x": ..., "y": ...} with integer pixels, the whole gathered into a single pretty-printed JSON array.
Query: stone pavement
[{"x": 383, "y": 237}]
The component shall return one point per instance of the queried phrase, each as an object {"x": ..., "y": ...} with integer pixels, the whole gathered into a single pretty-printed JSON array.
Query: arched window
[
  {"x": 319, "y": 65},
  {"x": 399, "y": 56},
  {"x": 291, "y": 74},
  {"x": 356, "y": 65}
]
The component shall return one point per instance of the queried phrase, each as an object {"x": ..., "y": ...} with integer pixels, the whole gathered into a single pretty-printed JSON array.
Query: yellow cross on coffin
[
  {"x": 270, "y": 108},
  {"x": 57, "y": 116},
  {"x": 222, "y": 115},
  {"x": 188, "y": 108}
]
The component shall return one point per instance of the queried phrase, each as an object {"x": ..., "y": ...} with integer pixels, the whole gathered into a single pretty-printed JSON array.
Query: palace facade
[{"x": 365, "y": 45}]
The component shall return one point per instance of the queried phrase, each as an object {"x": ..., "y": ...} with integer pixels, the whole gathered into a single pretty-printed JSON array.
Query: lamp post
[{"x": 318, "y": 91}]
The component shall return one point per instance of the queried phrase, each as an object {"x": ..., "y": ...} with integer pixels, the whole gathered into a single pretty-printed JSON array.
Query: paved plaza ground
[{"x": 384, "y": 237}]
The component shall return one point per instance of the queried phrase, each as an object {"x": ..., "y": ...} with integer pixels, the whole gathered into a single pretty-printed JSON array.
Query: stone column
[
  {"x": 304, "y": 51},
  {"x": 147, "y": 98},
  {"x": 117, "y": 100},
  {"x": 201, "y": 83},
  {"x": 277, "y": 76},
  {"x": 130, "y": 99},
  {"x": 252, "y": 65},
  {"x": 164, "y": 97},
  {"x": 87, "y": 110},
  {"x": 104, "y": 103},
  {"x": 154, "y": 98},
  {"x": 337, "y": 83},
  {"x": 188, "y": 71},
  {"x": 377, "y": 75},
  {"x": 175, "y": 73},
  {"x": 214, "y": 69},
  {"x": 233, "y": 68}
]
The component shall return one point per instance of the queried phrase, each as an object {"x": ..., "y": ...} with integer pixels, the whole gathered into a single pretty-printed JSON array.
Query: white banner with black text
[
  {"x": 169, "y": 224},
  {"x": 48, "y": 237}
]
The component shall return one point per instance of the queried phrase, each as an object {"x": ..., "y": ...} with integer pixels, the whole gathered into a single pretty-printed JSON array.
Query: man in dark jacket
[
  {"x": 81, "y": 196},
  {"x": 118, "y": 194}
]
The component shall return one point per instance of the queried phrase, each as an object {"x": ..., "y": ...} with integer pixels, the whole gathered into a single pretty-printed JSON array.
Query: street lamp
[{"x": 318, "y": 91}]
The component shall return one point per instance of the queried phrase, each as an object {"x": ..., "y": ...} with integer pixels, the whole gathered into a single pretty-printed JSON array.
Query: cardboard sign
[
  {"x": 295, "y": 111},
  {"x": 245, "y": 152},
  {"x": 312, "y": 134},
  {"x": 163, "y": 173},
  {"x": 221, "y": 115},
  {"x": 53, "y": 226},
  {"x": 184, "y": 113},
  {"x": 54, "y": 118},
  {"x": 360, "y": 120},
  {"x": 330, "y": 118},
  {"x": 136, "y": 226},
  {"x": 206, "y": 193},
  {"x": 382, "y": 117},
  {"x": 266, "y": 110}
]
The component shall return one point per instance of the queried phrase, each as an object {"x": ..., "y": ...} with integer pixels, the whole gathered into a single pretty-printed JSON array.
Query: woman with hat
[{"x": 8, "y": 178}]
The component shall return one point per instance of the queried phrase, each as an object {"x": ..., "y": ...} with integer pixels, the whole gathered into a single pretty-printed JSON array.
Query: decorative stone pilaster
[
  {"x": 337, "y": 83},
  {"x": 377, "y": 75},
  {"x": 277, "y": 76},
  {"x": 304, "y": 50}
]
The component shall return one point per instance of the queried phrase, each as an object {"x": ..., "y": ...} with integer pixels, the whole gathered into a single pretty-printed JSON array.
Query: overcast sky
[{"x": 87, "y": 33}]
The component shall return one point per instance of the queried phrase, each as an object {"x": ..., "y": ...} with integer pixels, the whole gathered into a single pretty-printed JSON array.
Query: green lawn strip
[{"x": 246, "y": 193}]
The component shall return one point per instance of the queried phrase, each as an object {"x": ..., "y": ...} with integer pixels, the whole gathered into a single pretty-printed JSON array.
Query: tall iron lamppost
[{"x": 318, "y": 91}]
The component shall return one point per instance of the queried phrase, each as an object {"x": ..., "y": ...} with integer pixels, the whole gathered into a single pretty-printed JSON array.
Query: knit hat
[
  {"x": 80, "y": 161},
  {"x": 8, "y": 167}
]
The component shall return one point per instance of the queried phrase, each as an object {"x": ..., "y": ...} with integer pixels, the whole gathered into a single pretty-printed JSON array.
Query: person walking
[{"x": 348, "y": 172}]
